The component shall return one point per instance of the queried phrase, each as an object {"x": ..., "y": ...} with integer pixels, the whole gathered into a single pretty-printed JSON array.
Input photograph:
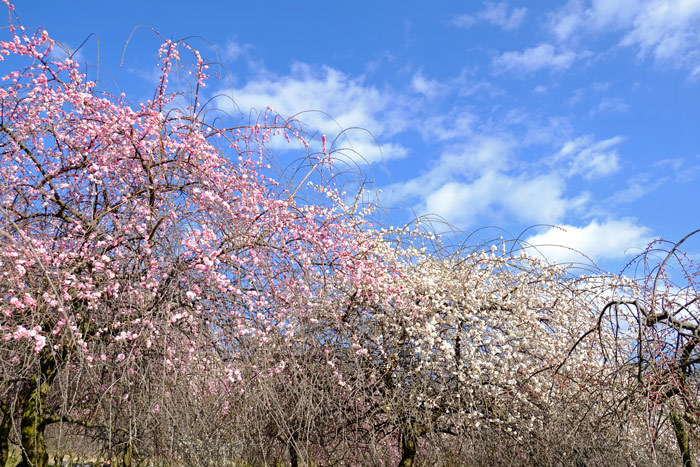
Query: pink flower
[
  {"x": 21, "y": 333},
  {"x": 28, "y": 300},
  {"x": 40, "y": 342}
]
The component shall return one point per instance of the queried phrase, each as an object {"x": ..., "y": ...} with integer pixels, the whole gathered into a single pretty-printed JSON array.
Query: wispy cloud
[
  {"x": 543, "y": 56},
  {"x": 233, "y": 50},
  {"x": 675, "y": 172},
  {"x": 430, "y": 88},
  {"x": 681, "y": 169},
  {"x": 589, "y": 158},
  {"x": 468, "y": 158},
  {"x": 667, "y": 30},
  {"x": 457, "y": 123},
  {"x": 575, "y": 17},
  {"x": 637, "y": 187},
  {"x": 609, "y": 105},
  {"x": 497, "y": 14}
]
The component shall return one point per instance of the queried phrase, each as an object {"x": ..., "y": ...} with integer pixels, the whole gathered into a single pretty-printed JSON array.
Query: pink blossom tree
[{"x": 141, "y": 238}]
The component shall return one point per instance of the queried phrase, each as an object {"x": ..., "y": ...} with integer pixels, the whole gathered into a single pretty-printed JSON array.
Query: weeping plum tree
[
  {"x": 661, "y": 310},
  {"x": 137, "y": 240},
  {"x": 467, "y": 346}
]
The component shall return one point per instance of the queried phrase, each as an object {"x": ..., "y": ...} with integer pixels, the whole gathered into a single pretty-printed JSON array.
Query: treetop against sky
[{"x": 580, "y": 114}]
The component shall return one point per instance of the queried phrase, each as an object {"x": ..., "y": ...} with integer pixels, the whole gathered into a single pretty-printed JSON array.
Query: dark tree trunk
[
  {"x": 408, "y": 449},
  {"x": 33, "y": 403},
  {"x": 33, "y": 445},
  {"x": 293, "y": 455},
  {"x": 5, "y": 436},
  {"x": 683, "y": 440},
  {"x": 128, "y": 455}
]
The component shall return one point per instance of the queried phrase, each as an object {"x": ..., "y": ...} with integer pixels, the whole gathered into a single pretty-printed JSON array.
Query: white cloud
[
  {"x": 331, "y": 102},
  {"x": 638, "y": 186},
  {"x": 430, "y": 88},
  {"x": 531, "y": 200},
  {"x": 683, "y": 171},
  {"x": 458, "y": 123},
  {"x": 675, "y": 171},
  {"x": 460, "y": 203},
  {"x": 610, "y": 105},
  {"x": 463, "y": 21},
  {"x": 565, "y": 24},
  {"x": 539, "y": 199},
  {"x": 577, "y": 96},
  {"x": 611, "y": 239},
  {"x": 589, "y": 158},
  {"x": 233, "y": 50},
  {"x": 480, "y": 89},
  {"x": 478, "y": 178},
  {"x": 468, "y": 160},
  {"x": 462, "y": 160},
  {"x": 543, "y": 56},
  {"x": 668, "y": 30},
  {"x": 551, "y": 131},
  {"x": 496, "y": 14},
  {"x": 360, "y": 146},
  {"x": 607, "y": 103},
  {"x": 574, "y": 17}
]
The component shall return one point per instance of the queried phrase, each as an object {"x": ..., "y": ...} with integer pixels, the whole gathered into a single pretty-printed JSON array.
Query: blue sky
[{"x": 511, "y": 114}]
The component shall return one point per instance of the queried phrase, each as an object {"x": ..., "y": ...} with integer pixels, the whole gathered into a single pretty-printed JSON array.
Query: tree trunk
[
  {"x": 293, "y": 455},
  {"x": 408, "y": 449},
  {"x": 128, "y": 455},
  {"x": 5, "y": 436},
  {"x": 33, "y": 402},
  {"x": 33, "y": 445},
  {"x": 683, "y": 440}
]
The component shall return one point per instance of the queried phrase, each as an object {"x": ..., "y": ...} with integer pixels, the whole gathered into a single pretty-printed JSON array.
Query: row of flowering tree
[{"x": 166, "y": 296}]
